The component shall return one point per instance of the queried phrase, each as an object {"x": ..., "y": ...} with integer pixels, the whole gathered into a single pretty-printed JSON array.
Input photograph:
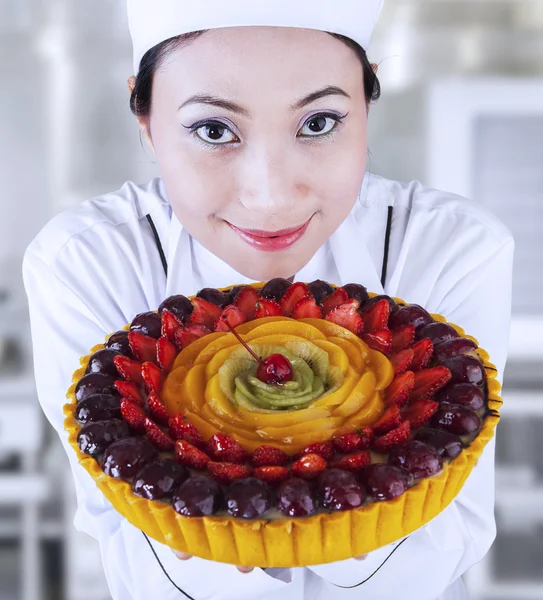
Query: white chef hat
[{"x": 154, "y": 21}]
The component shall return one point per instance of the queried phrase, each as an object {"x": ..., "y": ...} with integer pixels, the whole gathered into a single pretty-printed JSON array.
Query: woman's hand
[{"x": 185, "y": 556}]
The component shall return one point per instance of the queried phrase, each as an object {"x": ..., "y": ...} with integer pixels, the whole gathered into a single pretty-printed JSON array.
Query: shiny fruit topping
[
  {"x": 463, "y": 394},
  {"x": 465, "y": 369},
  {"x": 247, "y": 300},
  {"x": 143, "y": 346},
  {"x": 399, "y": 389},
  {"x": 339, "y": 490},
  {"x": 385, "y": 482},
  {"x": 456, "y": 419},
  {"x": 336, "y": 298},
  {"x": 130, "y": 370},
  {"x": 320, "y": 289},
  {"x": 159, "y": 438},
  {"x": 267, "y": 308},
  {"x": 292, "y": 296},
  {"x": 188, "y": 334},
  {"x": 227, "y": 472},
  {"x": 412, "y": 314},
  {"x": 402, "y": 337},
  {"x": 223, "y": 448},
  {"x": 157, "y": 410},
  {"x": 133, "y": 414},
  {"x": 423, "y": 351},
  {"x": 420, "y": 412},
  {"x": 190, "y": 456},
  {"x": 447, "y": 444},
  {"x": 324, "y": 449},
  {"x": 376, "y": 315},
  {"x": 204, "y": 313},
  {"x": 159, "y": 478},
  {"x": 182, "y": 429},
  {"x": 94, "y": 437},
  {"x": 308, "y": 466},
  {"x": 98, "y": 407},
  {"x": 233, "y": 292},
  {"x": 152, "y": 377},
  {"x": 380, "y": 340},
  {"x": 130, "y": 390},
  {"x": 275, "y": 289},
  {"x": 165, "y": 354},
  {"x": 198, "y": 496},
  {"x": 356, "y": 291},
  {"x": 214, "y": 296},
  {"x": 346, "y": 315},
  {"x": 124, "y": 458},
  {"x": 428, "y": 382},
  {"x": 148, "y": 324},
  {"x": 390, "y": 419},
  {"x": 419, "y": 458},
  {"x": 392, "y": 438},
  {"x": 391, "y": 302},
  {"x": 361, "y": 439},
  {"x": 269, "y": 456},
  {"x": 402, "y": 360},
  {"x": 119, "y": 341},
  {"x": 454, "y": 347},
  {"x": 231, "y": 316},
  {"x": 295, "y": 498},
  {"x": 307, "y": 308},
  {"x": 178, "y": 305},
  {"x": 271, "y": 474},
  {"x": 353, "y": 462},
  {"x": 248, "y": 498},
  {"x": 170, "y": 324},
  {"x": 95, "y": 383},
  {"x": 102, "y": 362},
  {"x": 437, "y": 332}
]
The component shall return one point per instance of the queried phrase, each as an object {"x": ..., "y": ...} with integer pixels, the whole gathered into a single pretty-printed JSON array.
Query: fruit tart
[{"x": 282, "y": 424}]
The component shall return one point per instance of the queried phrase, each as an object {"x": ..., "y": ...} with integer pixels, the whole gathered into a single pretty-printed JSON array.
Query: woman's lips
[{"x": 271, "y": 241}]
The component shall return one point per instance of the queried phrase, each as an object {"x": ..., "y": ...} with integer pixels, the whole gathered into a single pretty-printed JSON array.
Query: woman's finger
[
  {"x": 244, "y": 569},
  {"x": 361, "y": 557},
  {"x": 182, "y": 555}
]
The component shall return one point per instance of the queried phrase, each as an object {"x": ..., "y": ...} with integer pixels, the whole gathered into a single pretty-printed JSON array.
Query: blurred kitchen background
[{"x": 461, "y": 109}]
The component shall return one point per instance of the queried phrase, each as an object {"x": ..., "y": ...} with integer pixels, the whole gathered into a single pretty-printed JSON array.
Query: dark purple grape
[
  {"x": 93, "y": 438},
  {"x": 420, "y": 459},
  {"x": 339, "y": 490},
  {"x": 124, "y": 458},
  {"x": 102, "y": 362},
  {"x": 198, "y": 496},
  {"x": 463, "y": 394},
  {"x": 453, "y": 347},
  {"x": 179, "y": 305},
  {"x": 447, "y": 444},
  {"x": 95, "y": 383},
  {"x": 119, "y": 342},
  {"x": 295, "y": 498},
  {"x": 275, "y": 289},
  {"x": 456, "y": 419},
  {"x": 248, "y": 498},
  {"x": 158, "y": 479},
  {"x": 148, "y": 323},
  {"x": 359, "y": 292},
  {"x": 437, "y": 332},
  {"x": 214, "y": 296},
  {"x": 320, "y": 289},
  {"x": 391, "y": 302},
  {"x": 385, "y": 482},
  {"x": 233, "y": 292},
  {"x": 412, "y": 314},
  {"x": 465, "y": 368},
  {"x": 98, "y": 407}
]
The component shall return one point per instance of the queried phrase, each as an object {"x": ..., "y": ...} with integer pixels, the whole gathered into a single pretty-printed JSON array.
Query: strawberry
[
  {"x": 271, "y": 474},
  {"x": 232, "y": 316},
  {"x": 143, "y": 346},
  {"x": 401, "y": 360},
  {"x": 170, "y": 324},
  {"x": 347, "y": 316},
  {"x": 152, "y": 377},
  {"x": 157, "y": 409},
  {"x": 402, "y": 337},
  {"x": 399, "y": 389},
  {"x": 205, "y": 313},
  {"x": 376, "y": 317},
  {"x": 190, "y": 456},
  {"x": 428, "y": 382},
  {"x": 130, "y": 391},
  {"x": 367, "y": 436},
  {"x": 379, "y": 339},
  {"x": 128, "y": 369},
  {"x": 157, "y": 437},
  {"x": 293, "y": 295},
  {"x": 336, "y": 298},
  {"x": 223, "y": 448},
  {"x": 390, "y": 419},
  {"x": 133, "y": 415},
  {"x": 393, "y": 438},
  {"x": 165, "y": 353},
  {"x": 267, "y": 308},
  {"x": 423, "y": 350},
  {"x": 348, "y": 442},
  {"x": 420, "y": 412},
  {"x": 308, "y": 466},
  {"x": 186, "y": 335},
  {"x": 307, "y": 308},
  {"x": 227, "y": 472},
  {"x": 246, "y": 301},
  {"x": 270, "y": 456},
  {"x": 182, "y": 429},
  {"x": 324, "y": 449},
  {"x": 353, "y": 462}
]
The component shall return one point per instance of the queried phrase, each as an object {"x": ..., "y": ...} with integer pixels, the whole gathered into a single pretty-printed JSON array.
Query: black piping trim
[
  {"x": 387, "y": 244},
  {"x": 158, "y": 243}
]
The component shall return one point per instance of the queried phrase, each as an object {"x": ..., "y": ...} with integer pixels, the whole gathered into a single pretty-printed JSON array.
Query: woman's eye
[
  {"x": 318, "y": 125},
  {"x": 215, "y": 133}
]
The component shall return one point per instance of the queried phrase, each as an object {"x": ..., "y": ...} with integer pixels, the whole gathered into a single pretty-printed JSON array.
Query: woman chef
[{"x": 257, "y": 115}]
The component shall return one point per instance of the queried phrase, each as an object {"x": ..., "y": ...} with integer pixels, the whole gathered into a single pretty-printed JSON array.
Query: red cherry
[{"x": 275, "y": 369}]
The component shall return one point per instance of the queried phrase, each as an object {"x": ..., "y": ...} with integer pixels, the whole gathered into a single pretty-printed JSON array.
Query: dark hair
[{"x": 140, "y": 99}]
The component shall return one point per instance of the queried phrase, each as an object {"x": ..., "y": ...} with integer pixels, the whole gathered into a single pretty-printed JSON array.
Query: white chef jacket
[{"x": 95, "y": 266}]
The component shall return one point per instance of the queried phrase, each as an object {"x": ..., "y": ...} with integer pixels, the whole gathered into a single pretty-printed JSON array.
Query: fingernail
[
  {"x": 245, "y": 569},
  {"x": 361, "y": 557},
  {"x": 183, "y": 555}
]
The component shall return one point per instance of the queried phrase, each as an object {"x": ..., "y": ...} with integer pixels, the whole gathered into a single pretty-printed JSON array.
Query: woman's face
[{"x": 260, "y": 137}]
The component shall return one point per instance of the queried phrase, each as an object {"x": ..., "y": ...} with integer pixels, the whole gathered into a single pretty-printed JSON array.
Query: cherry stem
[{"x": 244, "y": 344}]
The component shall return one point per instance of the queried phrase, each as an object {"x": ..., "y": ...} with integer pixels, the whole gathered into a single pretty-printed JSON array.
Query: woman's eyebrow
[{"x": 330, "y": 90}]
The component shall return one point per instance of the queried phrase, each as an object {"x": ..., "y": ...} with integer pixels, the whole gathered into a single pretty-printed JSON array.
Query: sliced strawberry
[
  {"x": 392, "y": 438},
  {"x": 347, "y": 316},
  {"x": 307, "y": 308},
  {"x": 190, "y": 456},
  {"x": 379, "y": 339},
  {"x": 187, "y": 335},
  {"x": 223, "y": 448},
  {"x": 269, "y": 456},
  {"x": 293, "y": 295},
  {"x": 428, "y": 382},
  {"x": 308, "y": 466},
  {"x": 160, "y": 439},
  {"x": 130, "y": 390},
  {"x": 152, "y": 377},
  {"x": 205, "y": 313},
  {"x": 182, "y": 429},
  {"x": 143, "y": 346},
  {"x": 420, "y": 412},
  {"x": 390, "y": 419},
  {"x": 232, "y": 316},
  {"x": 170, "y": 324},
  {"x": 272, "y": 474},
  {"x": 246, "y": 301},
  {"x": 402, "y": 337},
  {"x": 367, "y": 435},
  {"x": 336, "y": 298},
  {"x": 376, "y": 317},
  {"x": 353, "y": 462},
  {"x": 324, "y": 449},
  {"x": 348, "y": 442},
  {"x": 128, "y": 369},
  {"x": 402, "y": 360},
  {"x": 133, "y": 415},
  {"x": 399, "y": 389},
  {"x": 226, "y": 472},
  {"x": 165, "y": 353},
  {"x": 157, "y": 409},
  {"x": 267, "y": 308},
  {"x": 423, "y": 350}
]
